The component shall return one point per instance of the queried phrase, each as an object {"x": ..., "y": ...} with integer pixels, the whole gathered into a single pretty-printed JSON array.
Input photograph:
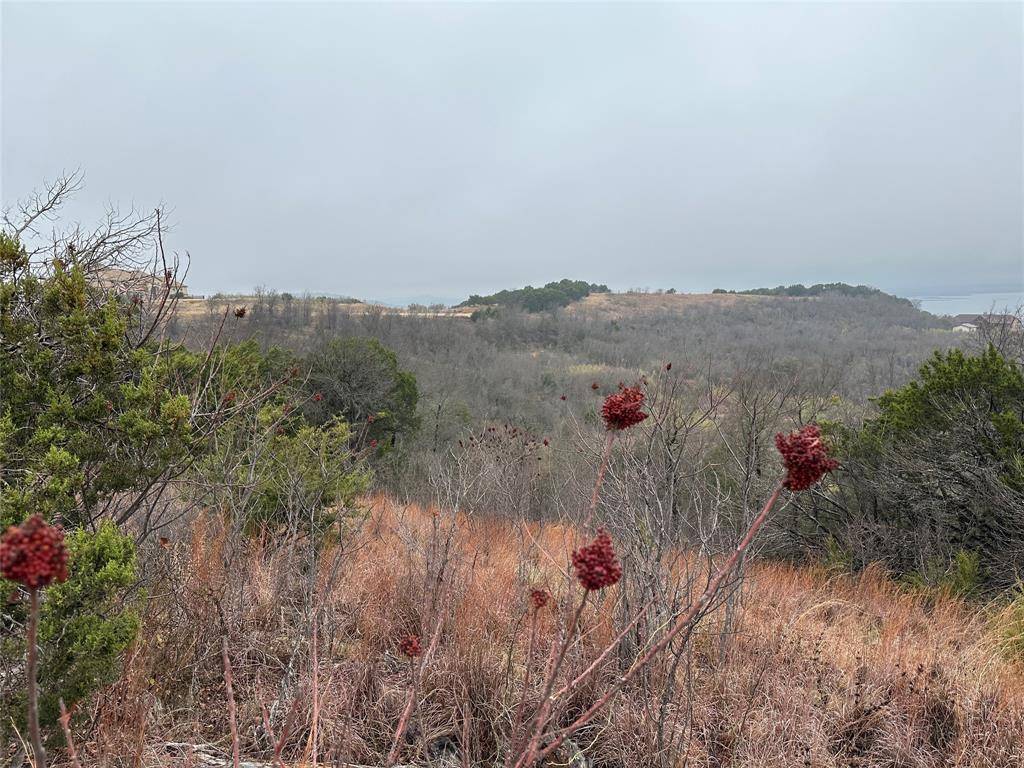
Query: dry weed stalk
[
  {"x": 806, "y": 460},
  {"x": 314, "y": 735},
  {"x": 232, "y": 709},
  {"x": 417, "y": 661},
  {"x": 65, "y": 725}
]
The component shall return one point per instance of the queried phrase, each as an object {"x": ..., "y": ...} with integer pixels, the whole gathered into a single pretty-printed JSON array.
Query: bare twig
[
  {"x": 232, "y": 715},
  {"x": 65, "y": 724}
]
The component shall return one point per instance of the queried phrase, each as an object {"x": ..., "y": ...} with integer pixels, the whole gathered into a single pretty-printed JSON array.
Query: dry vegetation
[
  {"x": 313, "y": 308},
  {"x": 814, "y": 670},
  {"x": 628, "y": 304}
]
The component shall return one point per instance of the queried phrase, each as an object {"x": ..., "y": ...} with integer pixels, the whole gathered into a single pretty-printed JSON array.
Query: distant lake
[{"x": 970, "y": 302}]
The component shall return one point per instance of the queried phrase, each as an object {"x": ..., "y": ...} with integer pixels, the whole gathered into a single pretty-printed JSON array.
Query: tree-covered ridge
[
  {"x": 818, "y": 289},
  {"x": 552, "y": 295}
]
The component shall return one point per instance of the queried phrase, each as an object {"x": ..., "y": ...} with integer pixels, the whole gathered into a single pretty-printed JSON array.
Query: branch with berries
[
  {"x": 34, "y": 555},
  {"x": 805, "y": 461}
]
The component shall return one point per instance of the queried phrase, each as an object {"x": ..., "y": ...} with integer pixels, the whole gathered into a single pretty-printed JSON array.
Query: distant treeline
[
  {"x": 819, "y": 289},
  {"x": 552, "y": 295}
]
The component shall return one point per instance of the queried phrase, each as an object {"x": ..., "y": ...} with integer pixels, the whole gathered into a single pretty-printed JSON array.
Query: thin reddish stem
[
  {"x": 554, "y": 667},
  {"x": 602, "y": 469},
  {"x": 65, "y": 724},
  {"x": 521, "y": 708},
  {"x": 230, "y": 692},
  {"x": 315, "y": 735},
  {"x": 288, "y": 722},
  {"x": 684, "y": 622},
  {"x": 33, "y": 684},
  {"x": 410, "y": 702}
]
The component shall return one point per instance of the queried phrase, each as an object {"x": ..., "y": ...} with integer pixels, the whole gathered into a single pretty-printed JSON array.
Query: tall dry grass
[{"x": 815, "y": 669}]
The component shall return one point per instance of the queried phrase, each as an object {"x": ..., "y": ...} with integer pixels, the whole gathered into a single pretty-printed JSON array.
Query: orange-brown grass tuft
[{"x": 815, "y": 669}]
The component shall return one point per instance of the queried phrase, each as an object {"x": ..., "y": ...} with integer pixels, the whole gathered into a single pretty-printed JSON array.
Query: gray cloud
[{"x": 410, "y": 150}]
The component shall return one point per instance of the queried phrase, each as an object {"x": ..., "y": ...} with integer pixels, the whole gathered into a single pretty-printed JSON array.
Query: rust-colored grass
[{"x": 818, "y": 670}]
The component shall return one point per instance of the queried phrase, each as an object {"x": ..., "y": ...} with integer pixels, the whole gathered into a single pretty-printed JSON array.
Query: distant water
[{"x": 971, "y": 302}]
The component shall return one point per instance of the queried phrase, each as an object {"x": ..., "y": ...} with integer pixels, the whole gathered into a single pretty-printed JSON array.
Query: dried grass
[{"x": 820, "y": 670}]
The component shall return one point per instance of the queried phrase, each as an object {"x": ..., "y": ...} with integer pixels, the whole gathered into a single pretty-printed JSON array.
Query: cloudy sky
[{"x": 413, "y": 151}]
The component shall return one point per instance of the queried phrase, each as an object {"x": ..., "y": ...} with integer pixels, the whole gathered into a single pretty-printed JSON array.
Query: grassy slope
[
  {"x": 819, "y": 670},
  {"x": 625, "y": 304}
]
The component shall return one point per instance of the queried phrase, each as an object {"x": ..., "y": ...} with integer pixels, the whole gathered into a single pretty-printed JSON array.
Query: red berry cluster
[
  {"x": 623, "y": 409},
  {"x": 805, "y": 457},
  {"x": 410, "y": 646},
  {"x": 596, "y": 565},
  {"x": 539, "y": 598},
  {"x": 34, "y": 553}
]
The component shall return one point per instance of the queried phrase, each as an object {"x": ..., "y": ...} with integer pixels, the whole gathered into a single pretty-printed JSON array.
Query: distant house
[
  {"x": 136, "y": 282},
  {"x": 970, "y": 323}
]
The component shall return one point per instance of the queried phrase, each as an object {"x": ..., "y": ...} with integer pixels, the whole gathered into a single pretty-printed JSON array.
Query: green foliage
[
  {"x": 554, "y": 294},
  {"x": 273, "y": 466},
  {"x": 241, "y": 372},
  {"x": 85, "y": 625},
  {"x": 1010, "y": 624},
  {"x": 358, "y": 380},
  {"x": 85, "y": 413},
  {"x": 87, "y": 621},
  {"x": 936, "y": 477},
  {"x": 951, "y": 384},
  {"x": 12, "y": 254},
  {"x": 304, "y": 473},
  {"x": 837, "y": 559},
  {"x": 962, "y": 576}
]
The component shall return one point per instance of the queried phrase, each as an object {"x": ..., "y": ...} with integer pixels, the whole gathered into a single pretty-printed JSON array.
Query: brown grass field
[
  {"x": 631, "y": 304},
  {"x": 817, "y": 670}
]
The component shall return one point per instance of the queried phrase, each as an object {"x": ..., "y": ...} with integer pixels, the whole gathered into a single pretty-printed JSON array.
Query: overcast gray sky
[{"x": 406, "y": 151}]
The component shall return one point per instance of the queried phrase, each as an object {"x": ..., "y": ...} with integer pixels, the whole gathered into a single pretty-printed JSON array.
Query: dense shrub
[
  {"x": 281, "y": 471},
  {"x": 359, "y": 381},
  {"x": 86, "y": 413},
  {"x": 935, "y": 481},
  {"x": 86, "y": 624}
]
